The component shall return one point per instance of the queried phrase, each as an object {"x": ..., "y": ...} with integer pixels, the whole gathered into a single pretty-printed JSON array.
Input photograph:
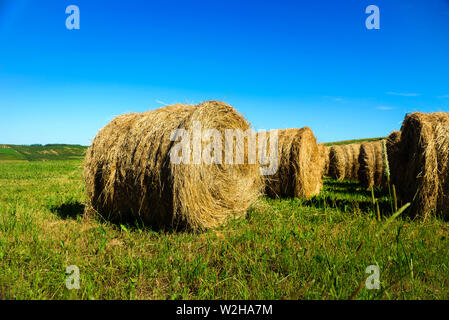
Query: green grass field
[{"x": 284, "y": 249}]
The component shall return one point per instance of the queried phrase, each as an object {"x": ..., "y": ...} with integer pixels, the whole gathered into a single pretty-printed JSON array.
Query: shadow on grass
[
  {"x": 73, "y": 210},
  {"x": 347, "y": 205},
  {"x": 131, "y": 223},
  {"x": 348, "y": 196},
  {"x": 69, "y": 210},
  {"x": 353, "y": 188}
]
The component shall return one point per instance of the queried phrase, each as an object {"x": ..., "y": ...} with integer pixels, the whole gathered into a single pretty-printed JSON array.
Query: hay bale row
[
  {"x": 343, "y": 161},
  {"x": 371, "y": 164},
  {"x": 420, "y": 159},
  {"x": 129, "y": 174},
  {"x": 300, "y": 165}
]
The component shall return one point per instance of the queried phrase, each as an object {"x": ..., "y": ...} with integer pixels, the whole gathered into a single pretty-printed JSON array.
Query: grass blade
[{"x": 393, "y": 217}]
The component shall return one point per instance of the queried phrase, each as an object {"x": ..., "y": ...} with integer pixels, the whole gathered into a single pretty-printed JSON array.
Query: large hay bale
[
  {"x": 424, "y": 153},
  {"x": 371, "y": 170},
  {"x": 129, "y": 172},
  {"x": 299, "y": 171}
]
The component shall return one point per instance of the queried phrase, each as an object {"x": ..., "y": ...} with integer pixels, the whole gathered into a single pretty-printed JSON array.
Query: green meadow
[{"x": 285, "y": 249}]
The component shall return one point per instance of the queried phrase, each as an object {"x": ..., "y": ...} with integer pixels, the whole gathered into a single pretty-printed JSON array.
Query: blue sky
[{"x": 280, "y": 63}]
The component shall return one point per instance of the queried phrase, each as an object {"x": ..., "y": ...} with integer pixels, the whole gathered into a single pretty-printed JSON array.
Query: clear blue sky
[{"x": 280, "y": 63}]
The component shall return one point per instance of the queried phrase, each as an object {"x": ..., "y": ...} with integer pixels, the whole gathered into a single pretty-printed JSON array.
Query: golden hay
[
  {"x": 129, "y": 173},
  {"x": 324, "y": 158},
  {"x": 343, "y": 161},
  {"x": 423, "y": 152},
  {"x": 337, "y": 163},
  {"x": 352, "y": 160},
  {"x": 300, "y": 171},
  {"x": 371, "y": 170},
  {"x": 393, "y": 145}
]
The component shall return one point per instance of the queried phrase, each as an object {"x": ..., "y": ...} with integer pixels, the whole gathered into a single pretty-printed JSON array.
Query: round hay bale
[
  {"x": 300, "y": 172},
  {"x": 423, "y": 151},
  {"x": 347, "y": 151},
  {"x": 129, "y": 173},
  {"x": 343, "y": 161},
  {"x": 394, "y": 161},
  {"x": 324, "y": 158},
  {"x": 355, "y": 160},
  {"x": 337, "y": 163},
  {"x": 321, "y": 156},
  {"x": 371, "y": 166},
  {"x": 351, "y": 152}
]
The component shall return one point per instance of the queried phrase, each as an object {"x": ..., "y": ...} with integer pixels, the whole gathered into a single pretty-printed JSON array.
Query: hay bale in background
[
  {"x": 337, "y": 163},
  {"x": 300, "y": 171},
  {"x": 371, "y": 170},
  {"x": 129, "y": 174},
  {"x": 321, "y": 156},
  {"x": 324, "y": 158},
  {"x": 352, "y": 160},
  {"x": 423, "y": 151},
  {"x": 394, "y": 161},
  {"x": 343, "y": 161},
  {"x": 355, "y": 154},
  {"x": 347, "y": 151}
]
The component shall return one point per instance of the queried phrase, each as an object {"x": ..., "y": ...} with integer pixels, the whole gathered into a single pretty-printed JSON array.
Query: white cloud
[
  {"x": 384, "y": 108},
  {"x": 402, "y": 94},
  {"x": 336, "y": 99},
  {"x": 444, "y": 96}
]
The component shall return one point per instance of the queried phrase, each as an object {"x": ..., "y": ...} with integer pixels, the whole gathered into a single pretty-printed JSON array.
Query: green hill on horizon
[
  {"x": 337, "y": 143},
  {"x": 39, "y": 152}
]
